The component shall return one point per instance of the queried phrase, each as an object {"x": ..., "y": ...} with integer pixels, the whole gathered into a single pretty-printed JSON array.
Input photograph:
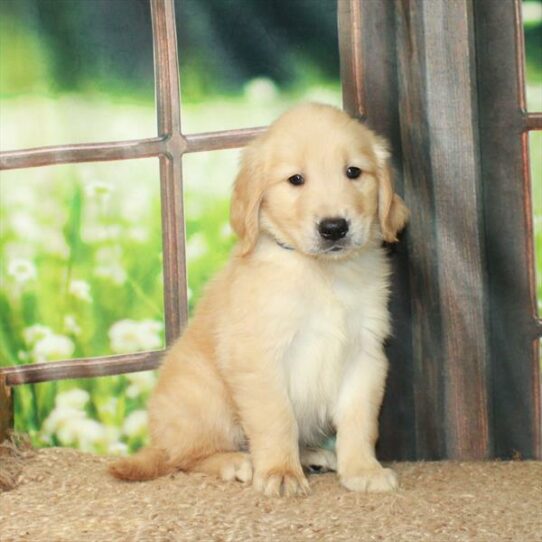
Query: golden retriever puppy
[{"x": 286, "y": 346}]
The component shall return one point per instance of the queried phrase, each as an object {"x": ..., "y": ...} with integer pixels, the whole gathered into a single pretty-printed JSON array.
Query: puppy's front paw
[
  {"x": 281, "y": 481},
  {"x": 373, "y": 480},
  {"x": 240, "y": 468}
]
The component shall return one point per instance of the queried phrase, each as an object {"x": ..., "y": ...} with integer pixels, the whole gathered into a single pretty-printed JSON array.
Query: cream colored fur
[{"x": 286, "y": 346}]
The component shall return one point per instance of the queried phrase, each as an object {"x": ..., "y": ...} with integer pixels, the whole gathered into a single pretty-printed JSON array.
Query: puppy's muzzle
[{"x": 332, "y": 229}]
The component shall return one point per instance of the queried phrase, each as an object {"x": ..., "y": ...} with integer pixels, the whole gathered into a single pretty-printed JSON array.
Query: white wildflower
[
  {"x": 135, "y": 423},
  {"x": 80, "y": 289},
  {"x": 24, "y": 225},
  {"x": 55, "y": 244},
  {"x": 111, "y": 434},
  {"x": 22, "y": 270},
  {"x": 70, "y": 325},
  {"x": 139, "y": 234},
  {"x": 151, "y": 338},
  {"x": 98, "y": 190},
  {"x": 76, "y": 399},
  {"x": 109, "y": 407},
  {"x": 62, "y": 419},
  {"x": 131, "y": 336},
  {"x": 117, "y": 448},
  {"x": 83, "y": 432},
  {"x": 261, "y": 90},
  {"x": 18, "y": 249},
  {"x": 52, "y": 348},
  {"x": 135, "y": 204},
  {"x": 196, "y": 247},
  {"x": 113, "y": 272},
  {"x": 23, "y": 356},
  {"x": 225, "y": 231},
  {"x": 109, "y": 265},
  {"x": 36, "y": 332},
  {"x": 99, "y": 234},
  {"x": 124, "y": 336},
  {"x": 140, "y": 383}
]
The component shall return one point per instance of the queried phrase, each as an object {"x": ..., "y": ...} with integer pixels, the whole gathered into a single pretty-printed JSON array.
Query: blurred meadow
[{"x": 80, "y": 245}]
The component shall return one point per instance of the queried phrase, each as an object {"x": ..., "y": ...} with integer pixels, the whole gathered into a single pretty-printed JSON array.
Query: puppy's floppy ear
[
  {"x": 246, "y": 201},
  {"x": 392, "y": 212}
]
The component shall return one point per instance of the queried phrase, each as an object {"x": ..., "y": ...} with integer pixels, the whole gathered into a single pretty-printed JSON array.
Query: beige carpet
[{"x": 64, "y": 495}]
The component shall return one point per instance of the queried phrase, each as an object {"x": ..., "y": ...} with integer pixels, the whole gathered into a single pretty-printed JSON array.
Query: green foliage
[{"x": 26, "y": 68}]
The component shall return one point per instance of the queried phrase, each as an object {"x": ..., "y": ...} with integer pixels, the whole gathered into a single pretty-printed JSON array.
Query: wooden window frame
[
  {"x": 169, "y": 146},
  {"x": 465, "y": 379}
]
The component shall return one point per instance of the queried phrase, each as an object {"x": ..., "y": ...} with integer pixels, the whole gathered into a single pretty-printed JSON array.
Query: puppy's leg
[
  {"x": 318, "y": 459},
  {"x": 191, "y": 417},
  {"x": 228, "y": 466},
  {"x": 357, "y": 424},
  {"x": 270, "y": 425}
]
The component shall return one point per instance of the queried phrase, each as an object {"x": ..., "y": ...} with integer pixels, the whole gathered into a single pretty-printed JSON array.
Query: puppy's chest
[{"x": 327, "y": 334}]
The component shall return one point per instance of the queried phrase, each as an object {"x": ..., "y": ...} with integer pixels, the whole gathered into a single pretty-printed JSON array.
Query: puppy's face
[{"x": 317, "y": 182}]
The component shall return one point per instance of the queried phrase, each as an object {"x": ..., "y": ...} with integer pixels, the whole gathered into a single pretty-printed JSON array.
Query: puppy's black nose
[{"x": 333, "y": 229}]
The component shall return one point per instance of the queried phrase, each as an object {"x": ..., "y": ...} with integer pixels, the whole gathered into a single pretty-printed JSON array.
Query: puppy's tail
[{"x": 147, "y": 464}]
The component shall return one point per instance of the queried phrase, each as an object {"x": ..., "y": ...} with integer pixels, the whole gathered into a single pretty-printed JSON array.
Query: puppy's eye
[
  {"x": 296, "y": 179},
  {"x": 353, "y": 172}
]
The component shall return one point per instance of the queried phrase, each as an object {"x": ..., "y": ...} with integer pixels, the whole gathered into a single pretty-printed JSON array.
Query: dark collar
[{"x": 283, "y": 245}]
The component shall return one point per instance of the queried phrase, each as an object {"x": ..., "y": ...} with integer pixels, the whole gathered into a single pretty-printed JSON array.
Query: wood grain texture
[
  {"x": 452, "y": 117},
  {"x": 227, "y": 139},
  {"x": 442, "y": 186},
  {"x": 88, "y": 152},
  {"x": 397, "y": 422},
  {"x": 6, "y": 409},
  {"x": 533, "y": 121},
  {"x": 349, "y": 22},
  {"x": 168, "y": 103},
  {"x": 515, "y": 370},
  {"x": 80, "y": 368},
  {"x": 428, "y": 356}
]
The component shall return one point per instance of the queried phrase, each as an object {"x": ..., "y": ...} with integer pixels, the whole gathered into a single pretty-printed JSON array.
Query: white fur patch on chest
[
  {"x": 313, "y": 367},
  {"x": 336, "y": 313}
]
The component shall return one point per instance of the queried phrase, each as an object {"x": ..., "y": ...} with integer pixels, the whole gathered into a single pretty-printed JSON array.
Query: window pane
[
  {"x": 208, "y": 179},
  {"x": 75, "y": 72},
  {"x": 242, "y": 63},
  {"x": 104, "y": 415},
  {"x": 81, "y": 261},
  {"x": 535, "y": 144},
  {"x": 532, "y": 24}
]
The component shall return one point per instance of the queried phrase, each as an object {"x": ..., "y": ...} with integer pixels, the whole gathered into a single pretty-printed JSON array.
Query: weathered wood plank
[
  {"x": 6, "y": 409},
  {"x": 515, "y": 370},
  {"x": 397, "y": 432},
  {"x": 168, "y": 103},
  {"x": 442, "y": 185},
  {"x": 81, "y": 368},
  {"x": 349, "y": 21},
  {"x": 452, "y": 113},
  {"x": 426, "y": 324}
]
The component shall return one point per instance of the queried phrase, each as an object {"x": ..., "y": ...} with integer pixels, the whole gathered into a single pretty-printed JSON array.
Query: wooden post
[
  {"x": 420, "y": 91},
  {"x": 6, "y": 409},
  {"x": 438, "y": 105},
  {"x": 381, "y": 105},
  {"x": 513, "y": 329}
]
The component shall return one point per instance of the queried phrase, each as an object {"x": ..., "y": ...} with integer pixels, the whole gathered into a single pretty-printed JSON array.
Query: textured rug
[{"x": 65, "y": 495}]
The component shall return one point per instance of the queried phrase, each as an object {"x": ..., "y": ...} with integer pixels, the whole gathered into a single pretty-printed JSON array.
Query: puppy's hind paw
[
  {"x": 240, "y": 469},
  {"x": 376, "y": 480},
  {"x": 317, "y": 460}
]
